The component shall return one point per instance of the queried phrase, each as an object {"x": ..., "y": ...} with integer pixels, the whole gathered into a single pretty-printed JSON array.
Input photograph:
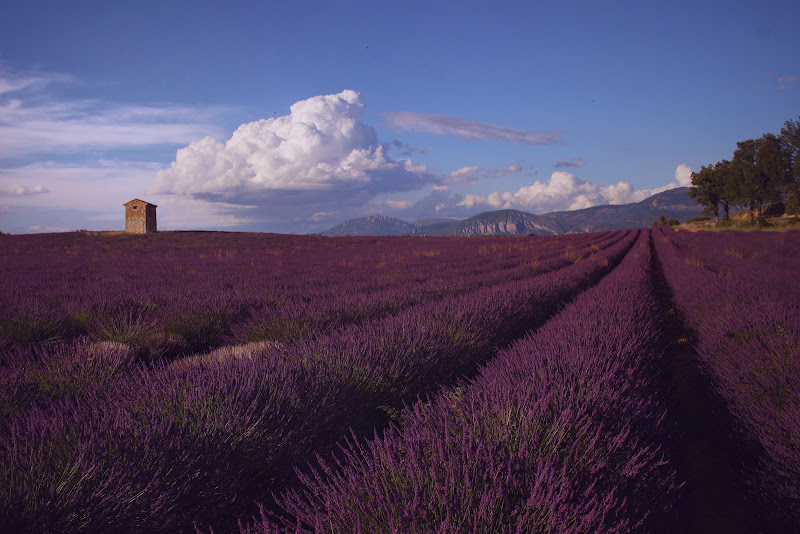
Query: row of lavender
[
  {"x": 167, "y": 295},
  {"x": 768, "y": 259},
  {"x": 560, "y": 433},
  {"x": 748, "y": 343},
  {"x": 51, "y": 371},
  {"x": 156, "y": 448}
]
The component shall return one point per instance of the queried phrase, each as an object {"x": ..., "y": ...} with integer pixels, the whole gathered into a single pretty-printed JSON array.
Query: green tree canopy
[
  {"x": 759, "y": 168},
  {"x": 714, "y": 187},
  {"x": 763, "y": 170},
  {"x": 790, "y": 140}
]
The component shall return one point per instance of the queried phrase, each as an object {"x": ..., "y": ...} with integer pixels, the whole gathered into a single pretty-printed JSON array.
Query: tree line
[{"x": 763, "y": 171}]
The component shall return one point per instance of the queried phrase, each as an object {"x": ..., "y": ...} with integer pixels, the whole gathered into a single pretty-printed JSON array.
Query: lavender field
[{"x": 622, "y": 381}]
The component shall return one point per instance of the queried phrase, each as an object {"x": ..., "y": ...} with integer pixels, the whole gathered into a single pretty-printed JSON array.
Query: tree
[
  {"x": 763, "y": 170},
  {"x": 759, "y": 169},
  {"x": 744, "y": 169},
  {"x": 790, "y": 141},
  {"x": 662, "y": 220},
  {"x": 774, "y": 165},
  {"x": 704, "y": 189},
  {"x": 726, "y": 179},
  {"x": 714, "y": 187}
]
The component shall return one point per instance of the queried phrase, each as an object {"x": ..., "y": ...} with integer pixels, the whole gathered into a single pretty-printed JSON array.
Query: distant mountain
[
  {"x": 674, "y": 203},
  {"x": 430, "y": 221},
  {"x": 433, "y": 225},
  {"x": 501, "y": 222},
  {"x": 372, "y": 225}
]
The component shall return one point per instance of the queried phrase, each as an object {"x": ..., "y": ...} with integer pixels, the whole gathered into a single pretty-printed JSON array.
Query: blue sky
[{"x": 293, "y": 116}]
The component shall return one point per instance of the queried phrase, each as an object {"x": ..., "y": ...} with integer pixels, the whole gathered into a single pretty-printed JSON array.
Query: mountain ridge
[{"x": 673, "y": 203}]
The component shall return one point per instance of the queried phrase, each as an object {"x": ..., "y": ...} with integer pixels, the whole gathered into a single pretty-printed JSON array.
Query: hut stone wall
[{"x": 140, "y": 217}]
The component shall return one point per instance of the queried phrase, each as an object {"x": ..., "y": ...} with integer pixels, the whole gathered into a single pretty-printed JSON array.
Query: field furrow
[
  {"x": 201, "y": 441},
  {"x": 747, "y": 341},
  {"x": 714, "y": 494},
  {"x": 199, "y": 296},
  {"x": 559, "y": 433},
  {"x": 625, "y": 381}
]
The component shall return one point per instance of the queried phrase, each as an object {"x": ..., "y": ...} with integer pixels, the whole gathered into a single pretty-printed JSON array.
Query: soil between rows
[
  {"x": 378, "y": 420},
  {"x": 714, "y": 498}
]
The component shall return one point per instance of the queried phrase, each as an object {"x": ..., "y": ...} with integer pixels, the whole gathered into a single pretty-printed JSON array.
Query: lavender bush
[
  {"x": 748, "y": 343},
  {"x": 768, "y": 261},
  {"x": 158, "y": 447},
  {"x": 178, "y": 294},
  {"x": 560, "y": 433}
]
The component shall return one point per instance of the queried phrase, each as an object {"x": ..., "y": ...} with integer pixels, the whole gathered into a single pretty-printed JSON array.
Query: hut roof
[{"x": 138, "y": 200}]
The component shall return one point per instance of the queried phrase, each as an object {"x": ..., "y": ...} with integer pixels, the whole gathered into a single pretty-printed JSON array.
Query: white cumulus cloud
[
  {"x": 320, "y": 146},
  {"x": 565, "y": 191},
  {"x": 683, "y": 175}
]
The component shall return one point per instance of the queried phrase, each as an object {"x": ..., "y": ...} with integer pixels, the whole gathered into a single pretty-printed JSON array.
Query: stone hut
[{"x": 140, "y": 217}]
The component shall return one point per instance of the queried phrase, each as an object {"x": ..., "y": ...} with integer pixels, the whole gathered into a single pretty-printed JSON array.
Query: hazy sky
[{"x": 292, "y": 116}]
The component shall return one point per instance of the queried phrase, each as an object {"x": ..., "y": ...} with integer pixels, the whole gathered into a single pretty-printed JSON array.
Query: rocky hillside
[
  {"x": 501, "y": 222},
  {"x": 674, "y": 203}
]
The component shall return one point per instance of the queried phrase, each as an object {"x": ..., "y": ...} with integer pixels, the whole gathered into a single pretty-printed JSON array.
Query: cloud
[
  {"x": 439, "y": 202},
  {"x": 455, "y": 127},
  {"x": 683, "y": 175},
  {"x": 574, "y": 162},
  {"x": 407, "y": 150},
  {"x": 80, "y": 125},
  {"x": 13, "y": 83},
  {"x": 319, "y": 154},
  {"x": 17, "y": 190},
  {"x": 497, "y": 173},
  {"x": 39, "y": 229},
  {"x": 322, "y": 215},
  {"x": 90, "y": 195},
  {"x": 464, "y": 175},
  {"x": 60, "y": 161},
  {"x": 84, "y": 185},
  {"x": 562, "y": 191},
  {"x": 69, "y": 148},
  {"x": 565, "y": 191},
  {"x": 399, "y": 204},
  {"x": 35, "y": 121},
  {"x": 475, "y": 173},
  {"x": 785, "y": 81},
  {"x": 181, "y": 213}
]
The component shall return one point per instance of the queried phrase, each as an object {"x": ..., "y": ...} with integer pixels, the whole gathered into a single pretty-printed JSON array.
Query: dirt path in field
[{"x": 714, "y": 498}]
